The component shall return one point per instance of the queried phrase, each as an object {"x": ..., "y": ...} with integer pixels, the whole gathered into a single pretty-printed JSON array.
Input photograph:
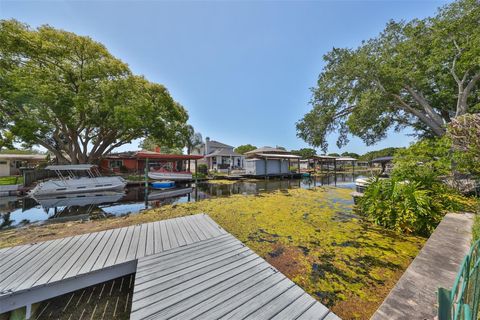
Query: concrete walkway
[{"x": 415, "y": 294}]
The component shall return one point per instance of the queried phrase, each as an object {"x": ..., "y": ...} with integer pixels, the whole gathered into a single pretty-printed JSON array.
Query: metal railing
[{"x": 462, "y": 302}]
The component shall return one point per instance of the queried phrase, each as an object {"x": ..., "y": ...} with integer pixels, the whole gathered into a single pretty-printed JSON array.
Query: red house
[{"x": 134, "y": 162}]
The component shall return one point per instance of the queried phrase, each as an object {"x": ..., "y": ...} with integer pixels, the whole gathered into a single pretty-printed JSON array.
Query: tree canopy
[
  {"x": 244, "y": 148},
  {"x": 419, "y": 74},
  {"x": 68, "y": 94},
  {"x": 350, "y": 154},
  {"x": 151, "y": 144},
  {"x": 193, "y": 140},
  {"x": 464, "y": 134},
  {"x": 305, "y": 152}
]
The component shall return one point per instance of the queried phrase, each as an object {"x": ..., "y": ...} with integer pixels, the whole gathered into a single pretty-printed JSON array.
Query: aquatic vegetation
[
  {"x": 313, "y": 237},
  {"x": 221, "y": 181}
]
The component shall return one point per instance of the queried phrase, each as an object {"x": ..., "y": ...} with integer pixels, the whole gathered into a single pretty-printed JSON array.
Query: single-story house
[
  {"x": 136, "y": 161},
  {"x": 10, "y": 164},
  {"x": 270, "y": 161}
]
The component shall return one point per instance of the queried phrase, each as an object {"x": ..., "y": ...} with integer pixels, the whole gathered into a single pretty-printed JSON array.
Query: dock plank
[
  {"x": 219, "y": 279},
  {"x": 164, "y": 235},
  {"x": 157, "y": 238},
  {"x": 316, "y": 311},
  {"x": 187, "y": 267}
]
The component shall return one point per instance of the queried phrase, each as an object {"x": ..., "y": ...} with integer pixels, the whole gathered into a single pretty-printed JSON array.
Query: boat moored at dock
[
  {"x": 71, "y": 180},
  {"x": 170, "y": 175}
]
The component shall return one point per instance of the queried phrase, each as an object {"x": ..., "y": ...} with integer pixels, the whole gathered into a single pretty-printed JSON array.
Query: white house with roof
[
  {"x": 220, "y": 156},
  {"x": 268, "y": 161},
  {"x": 10, "y": 164}
]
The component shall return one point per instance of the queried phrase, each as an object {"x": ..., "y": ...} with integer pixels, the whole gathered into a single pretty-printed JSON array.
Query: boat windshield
[{"x": 75, "y": 171}]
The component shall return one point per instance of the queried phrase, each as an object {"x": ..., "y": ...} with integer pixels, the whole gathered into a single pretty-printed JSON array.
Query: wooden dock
[
  {"x": 415, "y": 294},
  {"x": 186, "y": 267}
]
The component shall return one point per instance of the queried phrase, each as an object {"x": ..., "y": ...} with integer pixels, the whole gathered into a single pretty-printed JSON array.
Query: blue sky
[{"x": 242, "y": 69}]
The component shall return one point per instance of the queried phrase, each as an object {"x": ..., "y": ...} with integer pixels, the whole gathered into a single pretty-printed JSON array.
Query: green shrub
[
  {"x": 424, "y": 161},
  {"x": 199, "y": 175},
  {"x": 401, "y": 206},
  {"x": 415, "y": 199},
  {"x": 476, "y": 228},
  {"x": 411, "y": 206},
  {"x": 202, "y": 169}
]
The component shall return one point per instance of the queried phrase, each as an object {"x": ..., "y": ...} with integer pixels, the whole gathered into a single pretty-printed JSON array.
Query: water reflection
[{"x": 20, "y": 211}]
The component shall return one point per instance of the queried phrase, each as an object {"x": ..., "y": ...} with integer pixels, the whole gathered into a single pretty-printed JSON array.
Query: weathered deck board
[
  {"x": 187, "y": 268},
  {"x": 38, "y": 264},
  {"x": 218, "y": 278},
  {"x": 415, "y": 294}
]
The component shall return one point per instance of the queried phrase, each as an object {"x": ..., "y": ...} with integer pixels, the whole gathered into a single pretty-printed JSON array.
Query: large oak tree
[
  {"x": 68, "y": 94},
  {"x": 419, "y": 74}
]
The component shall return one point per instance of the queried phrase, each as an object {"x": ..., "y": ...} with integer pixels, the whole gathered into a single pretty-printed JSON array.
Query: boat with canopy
[{"x": 77, "y": 178}]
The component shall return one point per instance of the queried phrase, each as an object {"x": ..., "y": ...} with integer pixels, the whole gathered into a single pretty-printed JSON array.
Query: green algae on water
[{"x": 314, "y": 238}]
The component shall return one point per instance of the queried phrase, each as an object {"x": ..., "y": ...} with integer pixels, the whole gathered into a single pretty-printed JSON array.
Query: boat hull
[
  {"x": 169, "y": 193},
  {"x": 83, "y": 199},
  {"x": 163, "y": 185},
  {"x": 170, "y": 176},
  {"x": 80, "y": 185}
]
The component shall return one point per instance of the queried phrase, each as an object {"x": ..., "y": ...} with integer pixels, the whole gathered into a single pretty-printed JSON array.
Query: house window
[
  {"x": 115, "y": 163},
  {"x": 3, "y": 162}
]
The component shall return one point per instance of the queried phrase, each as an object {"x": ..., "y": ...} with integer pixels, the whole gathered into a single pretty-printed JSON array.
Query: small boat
[
  {"x": 361, "y": 184},
  {"x": 158, "y": 195},
  {"x": 163, "y": 174},
  {"x": 165, "y": 184},
  {"x": 81, "y": 199},
  {"x": 70, "y": 180}
]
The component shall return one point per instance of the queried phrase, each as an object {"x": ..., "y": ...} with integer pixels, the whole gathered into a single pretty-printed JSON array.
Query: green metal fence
[{"x": 462, "y": 302}]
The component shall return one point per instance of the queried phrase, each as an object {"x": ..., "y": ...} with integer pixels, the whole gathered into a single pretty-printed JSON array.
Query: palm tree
[{"x": 193, "y": 140}]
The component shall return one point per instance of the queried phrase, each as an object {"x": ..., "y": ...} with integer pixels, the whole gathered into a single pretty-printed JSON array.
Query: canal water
[{"x": 15, "y": 212}]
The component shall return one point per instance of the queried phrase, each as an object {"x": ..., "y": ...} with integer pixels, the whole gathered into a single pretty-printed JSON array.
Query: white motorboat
[
  {"x": 82, "y": 199},
  {"x": 70, "y": 181},
  {"x": 361, "y": 184},
  {"x": 170, "y": 175}
]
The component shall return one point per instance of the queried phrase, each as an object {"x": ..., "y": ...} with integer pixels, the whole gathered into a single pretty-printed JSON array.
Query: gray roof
[
  {"x": 383, "y": 159},
  {"x": 216, "y": 144},
  {"x": 346, "y": 159},
  {"x": 279, "y": 156},
  {"x": 224, "y": 152},
  {"x": 267, "y": 150}
]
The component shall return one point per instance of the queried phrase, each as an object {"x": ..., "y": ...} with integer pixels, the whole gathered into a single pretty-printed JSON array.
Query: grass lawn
[
  {"x": 311, "y": 236},
  {"x": 11, "y": 180}
]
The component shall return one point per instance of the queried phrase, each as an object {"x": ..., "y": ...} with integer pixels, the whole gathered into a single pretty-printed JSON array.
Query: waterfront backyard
[{"x": 309, "y": 234}]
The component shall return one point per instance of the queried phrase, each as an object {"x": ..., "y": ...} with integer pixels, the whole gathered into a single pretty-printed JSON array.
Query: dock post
[
  {"x": 146, "y": 173},
  {"x": 196, "y": 173},
  {"x": 266, "y": 163},
  {"x": 28, "y": 311},
  {"x": 146, "y": 183}
]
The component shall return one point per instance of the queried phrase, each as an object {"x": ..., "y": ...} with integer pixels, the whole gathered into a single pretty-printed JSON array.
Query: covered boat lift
[{"x": 330, "y": 161}]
